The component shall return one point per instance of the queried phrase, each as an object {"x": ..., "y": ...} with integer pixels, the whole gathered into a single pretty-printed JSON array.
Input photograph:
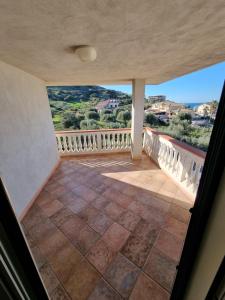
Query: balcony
[{"x": 107, "y": 226}]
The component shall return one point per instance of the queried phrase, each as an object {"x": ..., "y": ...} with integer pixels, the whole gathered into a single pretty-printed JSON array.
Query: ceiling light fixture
[{"x": 86, "y": 53}]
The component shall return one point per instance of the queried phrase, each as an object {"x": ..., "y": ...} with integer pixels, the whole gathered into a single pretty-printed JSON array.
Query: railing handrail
[
  {"x": 89, "y": 131},
  {"x": 182, "y": 145}
]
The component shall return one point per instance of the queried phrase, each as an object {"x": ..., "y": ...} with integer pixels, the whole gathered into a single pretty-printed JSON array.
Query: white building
[
  {"x": 158, "y": 98},
  {"x": 110, "y": 104}
]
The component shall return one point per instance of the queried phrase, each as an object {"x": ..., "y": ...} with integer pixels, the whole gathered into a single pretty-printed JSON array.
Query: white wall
[
  {"x": 27, "y": 143},
  {"x": 212, "y": 249}
]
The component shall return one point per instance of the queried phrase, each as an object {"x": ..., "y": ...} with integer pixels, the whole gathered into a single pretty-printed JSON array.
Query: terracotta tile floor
[{"x": 108, "y": 228}]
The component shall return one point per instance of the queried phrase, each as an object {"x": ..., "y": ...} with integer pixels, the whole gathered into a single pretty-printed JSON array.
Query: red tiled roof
[{"x": 102, "y": 104}]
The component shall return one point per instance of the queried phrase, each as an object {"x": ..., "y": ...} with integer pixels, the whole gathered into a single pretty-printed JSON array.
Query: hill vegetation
[{"x": 73, "y": 107}]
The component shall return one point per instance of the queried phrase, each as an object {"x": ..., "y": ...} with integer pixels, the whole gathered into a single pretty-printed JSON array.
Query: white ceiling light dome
[{"x": 86, "y": 53}]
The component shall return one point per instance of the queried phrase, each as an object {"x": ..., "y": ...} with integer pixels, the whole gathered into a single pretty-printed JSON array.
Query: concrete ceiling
[{"x": 153, "y": 39}]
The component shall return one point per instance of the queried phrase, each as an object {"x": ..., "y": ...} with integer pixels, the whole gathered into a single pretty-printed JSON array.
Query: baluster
[
  {"x": 85, "y": 142},
  {"x": 80, "y": 145},
  {"x": 113, "y": 141},
  {"x": 99, "y": 137},
  {"x": 89, "y": 142},
  {"x": 119, "y": 140},
  {"x": 104, "y": 141},
  {"x": 94, "y": 142},
  {"x": 123, "y": 140},
  {"x": 75, "y": 143},
  {"x": 65, "y": 144},
  {"x": 59, "y": 142},
  {"x": 70, "y": 146}
]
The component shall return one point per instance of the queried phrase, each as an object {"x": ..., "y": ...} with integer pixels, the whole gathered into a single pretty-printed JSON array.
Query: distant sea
[{"x": 193, "y": 104}]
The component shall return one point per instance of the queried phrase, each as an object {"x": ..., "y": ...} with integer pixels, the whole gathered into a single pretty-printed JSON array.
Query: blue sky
[{"x": 200, "y": 86}]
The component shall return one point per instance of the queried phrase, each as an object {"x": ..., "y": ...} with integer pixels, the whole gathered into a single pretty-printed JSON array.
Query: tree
[
  {"x": 184, "y": 116},
  {"x": 89, "y": 124},
  {"x": 92, "y": 115},
  {"x": 106, "y": 111},
  {"x": 93, "y": 109},
  {"x": 151, "y": 119},
  {"x": 213, "y": 107},
  {"x": 123, "y": 116},
  {"x": 70, "y": 120},
  {"x": 80, "y": 117},
  {"x": 108, "y": 118},
  {"x": 114, "y": 125}
]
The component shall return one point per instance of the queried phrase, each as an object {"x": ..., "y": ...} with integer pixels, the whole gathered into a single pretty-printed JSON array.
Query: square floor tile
[
  {"x": 67, "y": 198},
  {"x": 50, "y": 244},
  {"x": 124, "y": 200},
  {"x": 140, "y": 243},
  {"x": 122, "y": 275},
  {"x": 85, "y": 193},
  {"x": 59, "y": 294},
  {"x": 51, "y": 207},
  {"x": 113, "y": 210},
  {"x": 61, "y": 216},
  {"x": 103, "y": 291},
  {"x": 146, "y": 288},
  {"x": 129, "y": 220},
  {"x": 179, "y": 213},
  {"x": 86, "y": 239},
  {"x": 101, "y": 255},
  {"x": 169, "y": 244},
  {"x": 88, "y": 213},
  {"x": 83, "y": 281},
  {"x": 64, "y": 261},
  {"x": 39, "y": 259},
  {"x": 100, "y": 202},
  {"x": 77, "y": 205},
  {"x": 101, "y": 223},
  {"x": 175, "y": 227},
  {"x": 48, "y": 277},
  {"x": 72, "y": 227},
  {"x": 42, "y": 231},
  {"x": 161, "y": 268},
  {"x": 116, "y": 236},
  {"x": 34, "y": 217}
]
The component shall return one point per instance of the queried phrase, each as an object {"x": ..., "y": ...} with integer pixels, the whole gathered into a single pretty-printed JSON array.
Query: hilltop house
[
  {"x": 107, "y": 104},
  {"x": 167, "y": 106}
]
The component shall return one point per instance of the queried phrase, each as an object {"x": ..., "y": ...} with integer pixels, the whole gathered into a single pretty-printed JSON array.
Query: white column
[{"x": 138, "y": 93}]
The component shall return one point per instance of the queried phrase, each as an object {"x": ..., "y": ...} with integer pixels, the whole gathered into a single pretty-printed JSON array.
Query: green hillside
[{"x": 70, "y": 104}]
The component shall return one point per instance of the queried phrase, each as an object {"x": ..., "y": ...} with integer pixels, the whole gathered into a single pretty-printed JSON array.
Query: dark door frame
[
  {"x": 19, "y": 278},
  {"x": 213, "y": 170}
]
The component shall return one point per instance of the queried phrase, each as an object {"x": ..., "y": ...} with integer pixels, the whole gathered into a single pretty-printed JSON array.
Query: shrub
[
  {"x": 89, "y": 124},
  {"x": 151, "y": 119},
  {"x": 106, "y": 111},
  {"x": 70, "y": 120},
  {"x": 114, "y": 125},
  {"x": 108, "y": 118},
  {"x": 92, "y": 115},
  {"x": 124, "y": 116}
]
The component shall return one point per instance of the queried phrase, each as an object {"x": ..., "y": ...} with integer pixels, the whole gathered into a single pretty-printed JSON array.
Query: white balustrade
[
  {"x": 179, "y": 160},
  {"x": 93, "y": 141}
]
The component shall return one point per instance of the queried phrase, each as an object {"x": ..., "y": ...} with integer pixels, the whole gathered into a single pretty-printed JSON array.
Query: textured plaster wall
[{"x": 27, "y": 143}]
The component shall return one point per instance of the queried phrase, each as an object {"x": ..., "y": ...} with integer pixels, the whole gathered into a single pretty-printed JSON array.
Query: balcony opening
[{"x": 107, "y": 225}]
